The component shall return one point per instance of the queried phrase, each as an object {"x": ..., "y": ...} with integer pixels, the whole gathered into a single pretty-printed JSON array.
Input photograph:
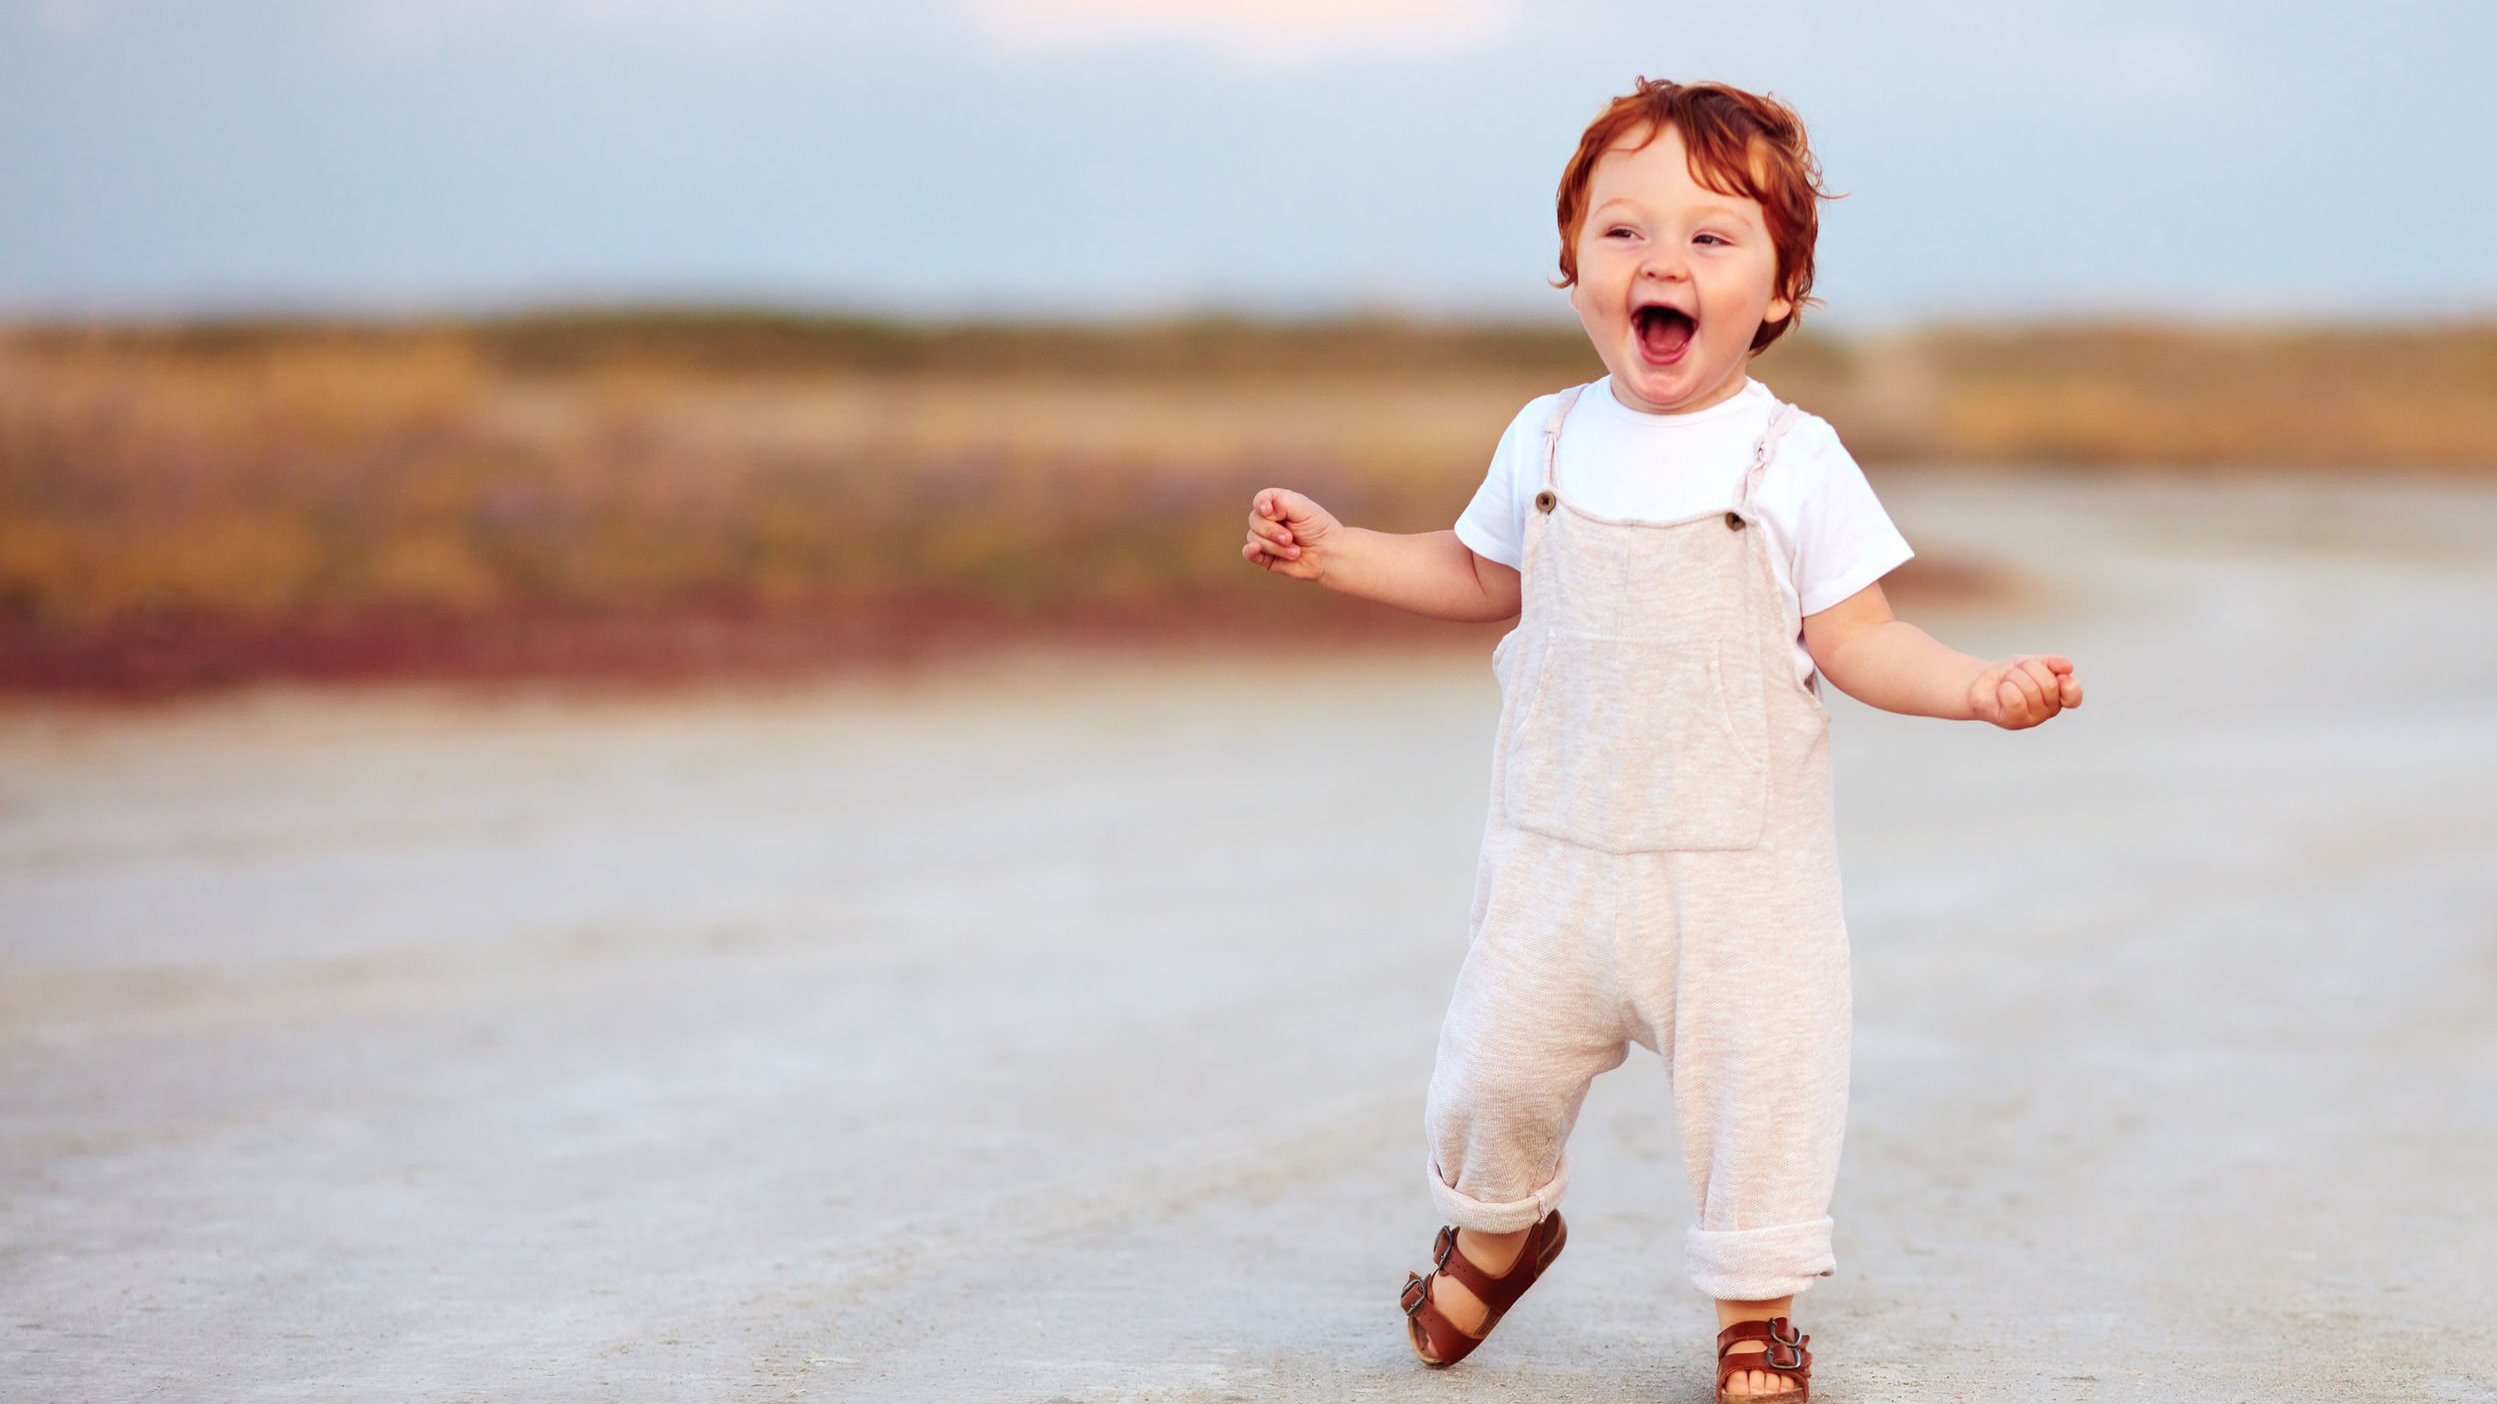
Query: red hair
[{"x": 1741, "y": 144}]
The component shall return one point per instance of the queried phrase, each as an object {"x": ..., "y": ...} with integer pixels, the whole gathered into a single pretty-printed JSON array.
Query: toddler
[{"x": 1687, "y": 558}]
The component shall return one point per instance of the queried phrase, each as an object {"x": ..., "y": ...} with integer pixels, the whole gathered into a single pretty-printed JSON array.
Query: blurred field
[{"x": 671, "y": 494}]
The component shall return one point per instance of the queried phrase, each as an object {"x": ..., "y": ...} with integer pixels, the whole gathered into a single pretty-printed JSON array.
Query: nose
[{"x": 1669, "y": 262}]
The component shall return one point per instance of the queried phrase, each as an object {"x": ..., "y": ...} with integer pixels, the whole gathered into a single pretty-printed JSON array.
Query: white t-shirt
[{"x": 1828, "y": 534}]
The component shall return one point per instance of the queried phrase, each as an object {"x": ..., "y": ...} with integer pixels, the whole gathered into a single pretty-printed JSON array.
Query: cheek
[
  {"x": 1764, "y": 280},
  {"x": 1739, "y": 289},
  {"x": 1598, "y": 287}
]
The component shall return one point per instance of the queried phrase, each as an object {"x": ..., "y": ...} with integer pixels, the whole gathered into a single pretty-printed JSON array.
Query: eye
[
  {"x": 1616, "y": 229},
  {"x": 1719, "y": 238}
]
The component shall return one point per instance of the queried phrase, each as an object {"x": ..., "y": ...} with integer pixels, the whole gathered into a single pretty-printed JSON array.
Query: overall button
[
  {"x": 1734, "y": 520},
  {"x": 1544, "y": 500}
]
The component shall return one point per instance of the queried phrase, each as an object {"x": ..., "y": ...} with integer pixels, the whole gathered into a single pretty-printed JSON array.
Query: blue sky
[{"x": 1135, "y": 156}]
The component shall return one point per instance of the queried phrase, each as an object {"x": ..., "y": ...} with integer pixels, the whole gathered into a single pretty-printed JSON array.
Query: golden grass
[{"x": 241, "y": 475}]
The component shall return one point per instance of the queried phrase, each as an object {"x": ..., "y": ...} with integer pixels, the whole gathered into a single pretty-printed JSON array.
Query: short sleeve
[
  {"x": 1844, "y": 540},
  {"x": 1493, "y": 525}
]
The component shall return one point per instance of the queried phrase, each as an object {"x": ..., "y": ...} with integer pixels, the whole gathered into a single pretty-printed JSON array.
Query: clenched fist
[
  {"x": 2024, "y": 690},
  {"x": 1289, "y": 535}
]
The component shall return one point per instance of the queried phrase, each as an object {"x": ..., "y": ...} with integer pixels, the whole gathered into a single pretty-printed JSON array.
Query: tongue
[{"x": 1662, "y": 335}]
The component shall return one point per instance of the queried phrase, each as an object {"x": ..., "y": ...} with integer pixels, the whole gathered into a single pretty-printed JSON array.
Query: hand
[
  {"x": 1289, "y": 534},
  {"x": 2023, "y": 690}
]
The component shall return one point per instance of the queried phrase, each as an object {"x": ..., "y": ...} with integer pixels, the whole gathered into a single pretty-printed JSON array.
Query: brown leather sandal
[
  {"x": 1784, "y": 1354},
  {"x": 1435, "y": 1338}
]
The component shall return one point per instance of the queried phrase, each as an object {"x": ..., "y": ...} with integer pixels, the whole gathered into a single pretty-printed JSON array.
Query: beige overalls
[{"x": 1659, "y": 865}]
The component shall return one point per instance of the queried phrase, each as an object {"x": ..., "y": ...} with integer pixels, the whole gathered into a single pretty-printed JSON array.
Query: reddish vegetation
[
  {"x": 659, "y": 650},
  {"x": 139, "y": 660}
]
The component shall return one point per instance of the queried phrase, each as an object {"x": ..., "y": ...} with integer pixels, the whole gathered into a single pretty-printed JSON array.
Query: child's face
[{"x": 1656, "y": 239}]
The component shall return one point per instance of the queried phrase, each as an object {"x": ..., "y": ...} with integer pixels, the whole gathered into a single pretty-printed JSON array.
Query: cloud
[
  {"x": 67, "y": 16},
  {"x": 1248, "y": 33},
  {"x": 1263, "y": 34},
  {"x": 428, "y": 24}
]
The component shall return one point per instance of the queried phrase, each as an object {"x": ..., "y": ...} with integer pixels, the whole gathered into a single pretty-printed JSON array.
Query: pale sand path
[{"x": 1066, "y": 1038}]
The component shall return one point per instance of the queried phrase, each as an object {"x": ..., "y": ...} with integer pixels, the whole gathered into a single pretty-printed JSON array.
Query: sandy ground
[{"x": 1037, "y": 1032}]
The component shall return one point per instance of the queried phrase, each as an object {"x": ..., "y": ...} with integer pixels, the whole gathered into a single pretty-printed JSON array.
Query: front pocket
[
  {"x": 1500, "y": 654},
  {"x": 1640, "y": 746}
]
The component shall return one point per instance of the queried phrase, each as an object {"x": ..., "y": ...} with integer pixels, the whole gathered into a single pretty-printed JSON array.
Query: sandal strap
[
  {"x": 1448, "y": 1344},
  {"x": 1785, "y": 1350},
  {"x": 1776, "y": 1328},
  {"x": 1734, "y": 1365},
  {"x": 1497, "y": 1293}
]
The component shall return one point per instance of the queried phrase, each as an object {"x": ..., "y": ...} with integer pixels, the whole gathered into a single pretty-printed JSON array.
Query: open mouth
[{"x": 1664, "y": 333}]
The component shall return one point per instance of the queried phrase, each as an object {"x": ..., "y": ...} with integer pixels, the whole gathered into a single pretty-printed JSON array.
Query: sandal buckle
[
  {"x": 1792, "y": 1337},
  {"x": 1417, "y": 1292},
  {"x": 1447, "y": 1244},
  {"x": 1794, "y": 1355}
]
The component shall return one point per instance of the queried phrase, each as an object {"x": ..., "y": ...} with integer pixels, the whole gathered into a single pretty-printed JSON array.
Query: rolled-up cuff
[
  {"x": 1755, "y": 1265},
  {"x": 1504, "y": 1216}
]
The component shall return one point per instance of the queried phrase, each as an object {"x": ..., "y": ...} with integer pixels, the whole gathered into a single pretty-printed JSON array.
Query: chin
[
  {"x": 1673, "y": 381},
  {"x": 1672, "y": 387}
]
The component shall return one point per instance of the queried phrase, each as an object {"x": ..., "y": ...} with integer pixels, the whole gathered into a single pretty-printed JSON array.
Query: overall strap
[
  {"x": 1781, "y": 419},
  {"x": 1552, "y": 432}
]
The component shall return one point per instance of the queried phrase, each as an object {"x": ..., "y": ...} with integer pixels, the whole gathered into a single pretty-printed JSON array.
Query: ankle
[
  {"x": 1494, "y": 1253},
  {"x": 1730, "y": 1312}
]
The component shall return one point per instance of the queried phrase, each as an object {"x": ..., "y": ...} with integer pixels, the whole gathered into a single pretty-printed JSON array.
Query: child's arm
[
  {"x": 1429, "y": 572},
  {"x": 1889, "y": 663}
]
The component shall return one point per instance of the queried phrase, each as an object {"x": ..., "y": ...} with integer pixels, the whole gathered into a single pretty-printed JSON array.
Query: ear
[{"x": 1779, "y": 309}]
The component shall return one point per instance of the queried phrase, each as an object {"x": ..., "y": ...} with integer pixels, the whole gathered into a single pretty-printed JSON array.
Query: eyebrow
[{"x": 1711, "y": 208}]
